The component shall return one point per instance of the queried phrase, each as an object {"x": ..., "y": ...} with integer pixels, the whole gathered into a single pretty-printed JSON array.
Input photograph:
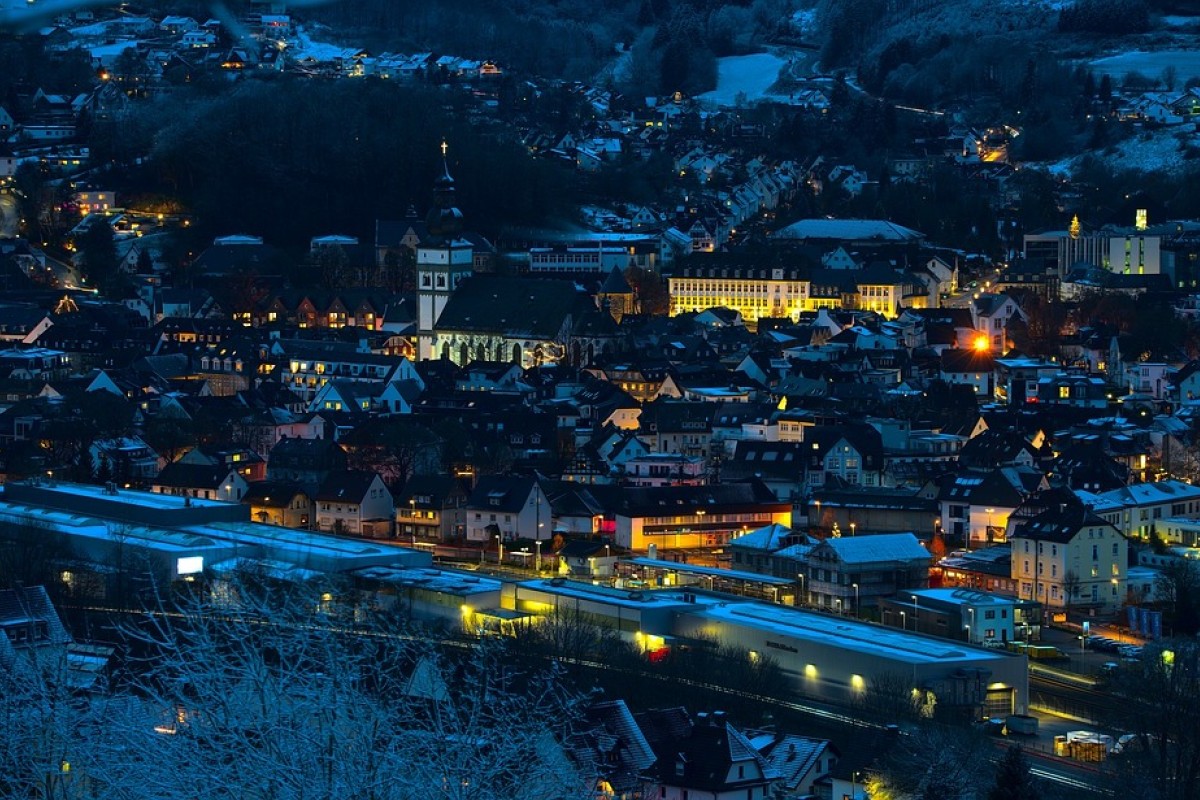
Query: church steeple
[{"x": 444, "y": 220}]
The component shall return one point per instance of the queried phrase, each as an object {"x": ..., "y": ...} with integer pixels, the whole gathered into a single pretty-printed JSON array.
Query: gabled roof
[
  {"x": 876, "y": 548},
  {"x": 514, "y": 307},
  {"x": 1059, "y": 524},
  {"x": 347, "y": 486},
  {"x": 767, "y": 539},
  {"x": 502, "y": 493}
]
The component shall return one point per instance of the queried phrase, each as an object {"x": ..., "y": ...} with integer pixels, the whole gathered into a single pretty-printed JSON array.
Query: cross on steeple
[{"x": 445, "y": 147}]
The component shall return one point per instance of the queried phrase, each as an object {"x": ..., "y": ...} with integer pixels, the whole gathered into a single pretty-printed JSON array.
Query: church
[{"x": 464, "y": 316}]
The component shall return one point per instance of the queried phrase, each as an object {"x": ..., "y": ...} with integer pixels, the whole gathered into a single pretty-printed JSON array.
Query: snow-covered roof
[
  {"x": 850, "y": 229},
  {"x": 878, "y": 547}
]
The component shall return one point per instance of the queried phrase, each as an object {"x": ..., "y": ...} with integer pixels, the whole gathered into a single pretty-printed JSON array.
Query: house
[
  {"x": 974, "y": 368},
  {"x": 800, "y": 761},
  {"x": 665, "y": 469},
  {"x": 305, "y": 461},
  {"x": 851, "y": 453},
  {"x": 507, "y": 508},
  {"x": 204, "y": 481},
  {"x": 753, "y": 551},
  {"x": 124, "y": 459},
  {"x": 612, "y": 741},
  {"x": 432, "y": 508},
  {"x": 992, "y": 314},
  {"x": 28, "y": 621},
  {"x": 975, "y": 506},
  {"x": 1070, "y": 556},
  {"x": 705, "y": 757},
  {"x": 845, "y": 574},
  {"x": 283, "y": 503},
  {"x": 355, "y": 502},
  {"x": 1137, "y": 509}
]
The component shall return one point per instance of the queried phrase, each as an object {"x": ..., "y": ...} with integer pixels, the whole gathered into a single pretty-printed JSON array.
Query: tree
[
  {"x": 1013, "y": 780},
  {"x": 650, "y": 293},
  {"x": 239, "y": 691},
  {"x": 98, "y": 248},
  {"x": 933, "y": 763},
  {"x": 1160, "y": 702}
]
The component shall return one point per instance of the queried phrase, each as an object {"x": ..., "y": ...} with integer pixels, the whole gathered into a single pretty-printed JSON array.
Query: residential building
[
  {"x": 204, "y": 481},
  {"x": 355, "y": 502},
  {"x": 1138, "y": 510},
  {"x": 705, "y": 757},
  {"x": 1068, "y": 556},
  {"x": 432, "y": 508},
  {"x": 506, "y": 508},
  {"x": 847, "y": 574}
]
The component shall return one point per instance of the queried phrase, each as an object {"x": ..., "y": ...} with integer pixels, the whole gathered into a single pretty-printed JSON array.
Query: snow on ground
[
  {"x": 1180, "y": 22},
  {"x": 304, "y": 46},
  {"x": 750, "y": 75},
  {"x": 1147, "y": 151},
  {"x": 1151, "y": 64}
]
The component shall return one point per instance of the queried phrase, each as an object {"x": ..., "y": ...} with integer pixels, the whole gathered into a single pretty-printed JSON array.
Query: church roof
[{"x": 514, "y": 307}]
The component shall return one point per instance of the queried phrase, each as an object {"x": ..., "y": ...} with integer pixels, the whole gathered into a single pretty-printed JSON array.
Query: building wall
[
  {"x": 1096, "y": 559},
  {"x": 695, "y": 530}
]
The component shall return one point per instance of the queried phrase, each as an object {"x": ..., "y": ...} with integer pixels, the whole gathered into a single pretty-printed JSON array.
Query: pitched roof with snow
[{"x": 874, "y": 548}]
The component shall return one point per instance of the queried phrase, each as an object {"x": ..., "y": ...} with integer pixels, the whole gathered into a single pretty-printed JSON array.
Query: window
[{"x": 989, "y": 614}]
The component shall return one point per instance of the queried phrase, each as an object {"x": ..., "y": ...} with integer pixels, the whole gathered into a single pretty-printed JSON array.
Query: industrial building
[{"x": 826, "y": 656}]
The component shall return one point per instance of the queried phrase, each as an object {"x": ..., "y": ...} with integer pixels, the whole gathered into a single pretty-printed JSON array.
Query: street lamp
[
  {"x": 499, "y": 550},
  {"x": 971, "y": 627},
  {"x": 538, "y": 546},
  {"x": 412, "y": 519},
  {"x": 853, "y": 527},
  {"x": 857, "y": 606},
  {"x": 903, "y": 621},
  {"x": 803, "y": 594}
]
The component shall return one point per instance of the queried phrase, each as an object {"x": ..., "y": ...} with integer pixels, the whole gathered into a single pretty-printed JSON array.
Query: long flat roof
[
  {"x": 142, "y": 499},
  {"x": 623, "y": 598},
  {"x": 844, "y": 634},
  {"x": 714, "y": 572},
  {"x": 433, "y": 579}
]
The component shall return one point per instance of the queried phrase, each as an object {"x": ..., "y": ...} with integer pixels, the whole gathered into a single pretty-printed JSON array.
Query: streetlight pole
[
  {"x": 412, "y": 519},
  {"x": 499, "y": 550},
  {"x": 538, "y": 546},
  {"x": 857, "y": 604},
  {"x": 853, "y": 528},
  {"x": 903, "y": 621},
  {"x": 971, "y": 627},
  {"x": 803, "y": 594}
]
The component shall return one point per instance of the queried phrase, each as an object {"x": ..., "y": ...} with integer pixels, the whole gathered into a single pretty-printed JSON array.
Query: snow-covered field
[
  {"x": 1181, "y": 22},
  {"x": 1151, "y": 64},
  {"x": 1151, "y": 151},
  {"x": 750, "y": 75},
  {"x": 304, "y": 46}
]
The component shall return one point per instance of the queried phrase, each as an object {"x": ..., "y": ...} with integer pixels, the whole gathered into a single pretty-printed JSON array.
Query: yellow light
[
  {"x": 857, "y": 683},
  {"x": 810, "y": 671},
  {"x": 1168, "y": 657},
  {"x": 466, "y": 610},
  {"x": 981, "y": 343}
]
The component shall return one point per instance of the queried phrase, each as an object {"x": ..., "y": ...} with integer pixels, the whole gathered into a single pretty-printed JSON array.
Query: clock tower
[{"x": 444, "y": 259}]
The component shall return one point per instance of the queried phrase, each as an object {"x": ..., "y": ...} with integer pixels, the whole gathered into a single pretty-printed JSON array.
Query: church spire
[
  {"x": 444, "y": 220},
  {"x": 1075, "y": 228}
]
